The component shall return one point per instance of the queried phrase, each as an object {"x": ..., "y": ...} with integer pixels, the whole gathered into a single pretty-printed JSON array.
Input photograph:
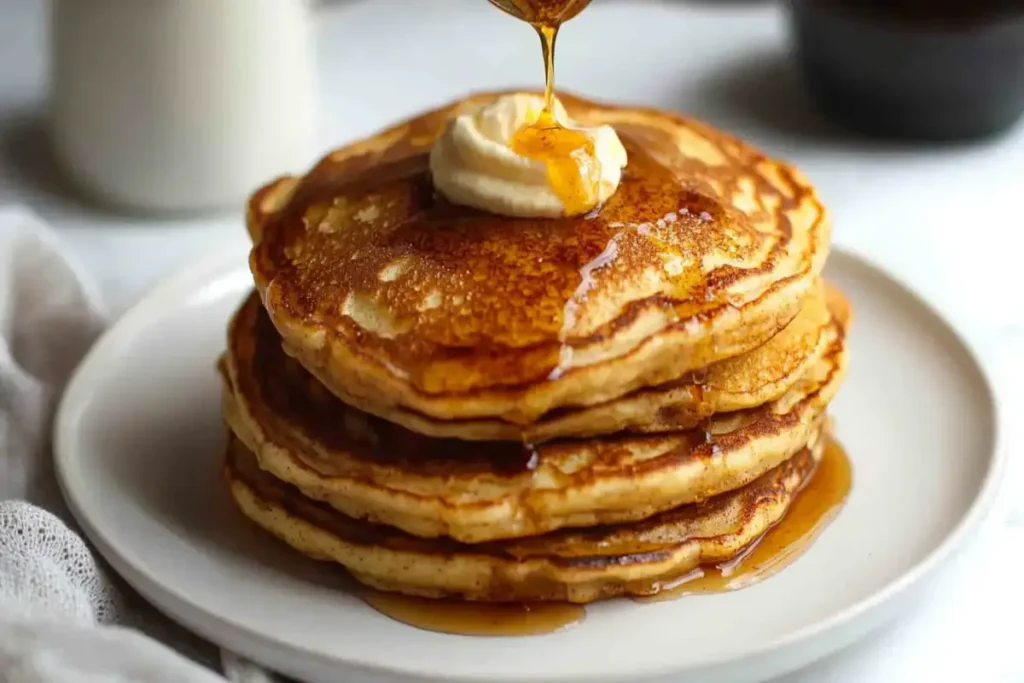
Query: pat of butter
[{"x": 473, "y": 165}]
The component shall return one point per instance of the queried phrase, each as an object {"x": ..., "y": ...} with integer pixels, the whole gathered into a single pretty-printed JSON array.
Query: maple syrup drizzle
[
  {"x": 814, "y": 507},
  {"x": 573, "y": 170},
  {"x": 570, "y": 311},
  {"x": 476, "y": 618}
]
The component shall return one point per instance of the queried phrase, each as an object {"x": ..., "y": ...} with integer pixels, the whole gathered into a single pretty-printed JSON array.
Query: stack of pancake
[{"x": 456, "y": 404}]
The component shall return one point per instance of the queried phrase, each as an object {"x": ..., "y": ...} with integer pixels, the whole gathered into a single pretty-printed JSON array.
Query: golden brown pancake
[
  {"x": 574, "y": 566},
  {"x": 393, "y": 297},
  {"x": 477, "y": 491}
]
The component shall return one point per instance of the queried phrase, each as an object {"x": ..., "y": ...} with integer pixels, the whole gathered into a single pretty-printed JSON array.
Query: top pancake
[{"x": 386, "y": 292}]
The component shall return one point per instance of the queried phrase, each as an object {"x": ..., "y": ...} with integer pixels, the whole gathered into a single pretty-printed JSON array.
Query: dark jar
[{"x": 923, "y": 69}]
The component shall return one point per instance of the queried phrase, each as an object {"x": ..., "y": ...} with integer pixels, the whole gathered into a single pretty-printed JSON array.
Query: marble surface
[{"x": 944, "y": 218}]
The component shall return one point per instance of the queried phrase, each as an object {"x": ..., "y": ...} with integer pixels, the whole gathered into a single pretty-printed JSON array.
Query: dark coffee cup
[{"x": 924, "y": 69}]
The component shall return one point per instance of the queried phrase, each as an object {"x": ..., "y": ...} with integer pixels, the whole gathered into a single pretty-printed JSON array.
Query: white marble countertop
[{"x": 946, "y": 219}]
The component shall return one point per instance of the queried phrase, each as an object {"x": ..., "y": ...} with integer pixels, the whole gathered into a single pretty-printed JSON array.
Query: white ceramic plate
[{"x": 138, "y": 443}]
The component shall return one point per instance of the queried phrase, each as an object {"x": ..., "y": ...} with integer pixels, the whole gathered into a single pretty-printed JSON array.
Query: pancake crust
[
  {"x": 389, "y": 294},
  {"x": 575, "y": 566},
  {"x": 479, "y": 491}
]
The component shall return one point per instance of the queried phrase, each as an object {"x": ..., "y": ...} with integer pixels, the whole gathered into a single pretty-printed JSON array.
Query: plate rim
[{"x": 225, "y": 260}]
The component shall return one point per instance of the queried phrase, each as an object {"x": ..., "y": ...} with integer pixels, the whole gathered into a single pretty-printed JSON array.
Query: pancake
[
  {"x": 393, "y": 297},
  {"x": 745, "y": 381},
  {"x": 575, "y": 566},
  {"x": 370, "y": 469}
]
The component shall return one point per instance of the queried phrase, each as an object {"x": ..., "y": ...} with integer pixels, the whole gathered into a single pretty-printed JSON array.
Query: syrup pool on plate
[
  {"x": 476, "y": 618},
  {"x": 814, "y": 507}
]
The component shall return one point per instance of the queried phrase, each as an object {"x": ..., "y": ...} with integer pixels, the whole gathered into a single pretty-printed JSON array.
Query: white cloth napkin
[{"x": 63, "y": 617}]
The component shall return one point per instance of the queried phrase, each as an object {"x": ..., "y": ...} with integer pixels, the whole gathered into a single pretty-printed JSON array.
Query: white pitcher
[{"x": 182, "y": 104}]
